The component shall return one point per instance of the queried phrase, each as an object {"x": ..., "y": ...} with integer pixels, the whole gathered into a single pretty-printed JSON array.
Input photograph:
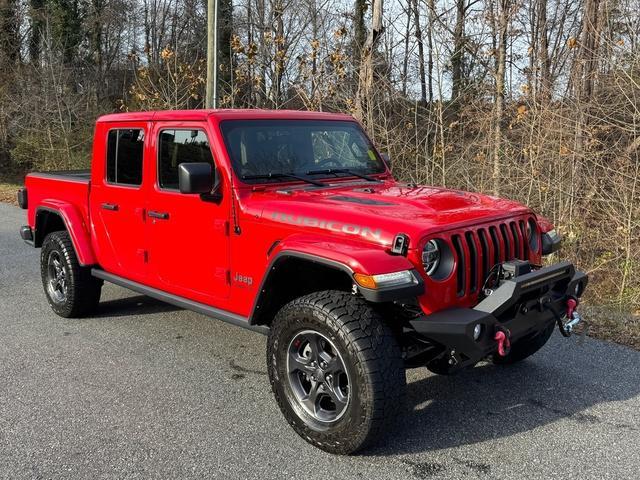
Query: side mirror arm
[{"x": 215, "y": 196}]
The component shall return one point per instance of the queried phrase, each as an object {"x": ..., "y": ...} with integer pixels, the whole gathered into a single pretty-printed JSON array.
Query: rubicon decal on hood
[{"x": 348, "y": 228}]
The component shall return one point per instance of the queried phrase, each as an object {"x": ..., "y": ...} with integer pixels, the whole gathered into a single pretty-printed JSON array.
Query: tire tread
[
  {"x": 377, "y": 356},
  {"x": 83, "y": 290}
]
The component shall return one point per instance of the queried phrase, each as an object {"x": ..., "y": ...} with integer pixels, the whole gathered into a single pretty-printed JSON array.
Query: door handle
[
  {"x": 158, "y": 215},
  {"x": 109, "y": 206}
]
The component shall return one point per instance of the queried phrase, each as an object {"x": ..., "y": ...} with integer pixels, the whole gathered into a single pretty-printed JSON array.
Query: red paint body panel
[
  {"x": 545, "y": 224},
  {"x": 196, "y": 254},
  {"x": 70, "y": 199}
]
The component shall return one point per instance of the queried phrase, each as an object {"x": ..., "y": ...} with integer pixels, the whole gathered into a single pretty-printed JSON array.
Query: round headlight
[
  {"x": 532, "y": 235},
  {"x": 431, "y": 257},
  {"x": 437, "y": 259}
]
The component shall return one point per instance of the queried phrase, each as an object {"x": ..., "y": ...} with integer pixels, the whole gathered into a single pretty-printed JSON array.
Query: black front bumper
[{"x": 522, "y": 305}]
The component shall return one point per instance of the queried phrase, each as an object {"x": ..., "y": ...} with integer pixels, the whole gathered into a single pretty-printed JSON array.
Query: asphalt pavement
[{"x": 145, "y": 390}]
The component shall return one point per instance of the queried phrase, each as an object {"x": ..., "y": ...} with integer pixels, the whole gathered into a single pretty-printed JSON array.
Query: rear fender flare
[{"x": 74, "y": 224}]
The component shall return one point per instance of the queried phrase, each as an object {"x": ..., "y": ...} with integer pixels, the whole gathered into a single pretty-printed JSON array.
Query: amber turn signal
[{"x": 366, "y": 281}]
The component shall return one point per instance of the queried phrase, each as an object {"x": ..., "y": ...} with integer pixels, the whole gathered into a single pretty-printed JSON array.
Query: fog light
[
  {"x": 477, "y": 330},
  {"x": 577, "y": 290}
]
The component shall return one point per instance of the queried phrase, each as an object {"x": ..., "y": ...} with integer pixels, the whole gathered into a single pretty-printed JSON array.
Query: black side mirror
[
  {"x": 197, "y": 177},
  {"x": 387, "y": 160}
]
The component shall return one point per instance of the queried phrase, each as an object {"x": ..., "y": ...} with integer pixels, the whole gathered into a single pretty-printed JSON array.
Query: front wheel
[
  {"x": 336, "y": 371},
  {"x": 70, "y": 288}
]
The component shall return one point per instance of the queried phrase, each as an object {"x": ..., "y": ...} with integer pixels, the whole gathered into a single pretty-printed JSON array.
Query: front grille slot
[
  {"x": 508, "y": 255},
  {"x": 516, "y": 241},
  {"x": 461, "y": 267},
  {"x": 497, "y": 251},
  {"x": 484, "y": 248},
  {"x": 473, "y": 262},
  {"x": 525, "y": 240}
]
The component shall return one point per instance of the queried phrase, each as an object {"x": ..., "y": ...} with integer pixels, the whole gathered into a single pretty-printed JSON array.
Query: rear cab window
[
  {"x": 176, "y": 146},
  {"x": 125, "y": 151}
]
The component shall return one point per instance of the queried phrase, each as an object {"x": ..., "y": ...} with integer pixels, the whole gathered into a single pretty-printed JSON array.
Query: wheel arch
[
  {"x": 60, "y": 217},
  {"x": 292, "y": 274}
]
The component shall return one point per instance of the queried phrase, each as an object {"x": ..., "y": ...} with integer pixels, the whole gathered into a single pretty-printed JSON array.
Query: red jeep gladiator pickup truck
[{"x": 291, "y": 224}]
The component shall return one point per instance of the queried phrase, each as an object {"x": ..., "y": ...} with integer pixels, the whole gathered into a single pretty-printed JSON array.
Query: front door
[
  {"x": 188, "y": 236},
  {"x": 117, "y": 200}
]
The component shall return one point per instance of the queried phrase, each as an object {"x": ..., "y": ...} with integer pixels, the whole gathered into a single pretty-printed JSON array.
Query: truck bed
[
  {"x": 81, "y": 175},
  {"x": 58, "y": 190}
]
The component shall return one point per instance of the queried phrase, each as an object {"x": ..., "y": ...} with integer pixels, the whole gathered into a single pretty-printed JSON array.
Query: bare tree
[
  {"x": 365, "y": 85},
  {"x": 503, "y": 14},
  {"x": 421, "y": 69}
]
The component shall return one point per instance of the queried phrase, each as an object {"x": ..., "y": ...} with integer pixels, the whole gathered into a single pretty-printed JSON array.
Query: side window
[
  {"x": 176, "y": 147},
  {"x": 124, "y": 156}
]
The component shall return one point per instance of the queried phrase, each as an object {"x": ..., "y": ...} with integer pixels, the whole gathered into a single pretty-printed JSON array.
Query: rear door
[
  {"x": 117, "y": 200},
  {"x": 188, "y": 236}
]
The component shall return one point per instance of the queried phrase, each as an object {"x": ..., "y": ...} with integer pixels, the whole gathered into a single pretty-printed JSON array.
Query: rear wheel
[
  {"x": 70, "y": 288},
  {"x": 336, "y": 371}
]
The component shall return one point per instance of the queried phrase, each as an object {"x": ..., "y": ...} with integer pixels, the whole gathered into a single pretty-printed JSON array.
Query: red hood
[{"x": 376, "y": 212}]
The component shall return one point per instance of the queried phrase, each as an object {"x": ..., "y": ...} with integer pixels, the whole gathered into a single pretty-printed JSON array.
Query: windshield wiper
[
  {"x": 329, "y": 171},
  {"x": 267, "y": 176}
]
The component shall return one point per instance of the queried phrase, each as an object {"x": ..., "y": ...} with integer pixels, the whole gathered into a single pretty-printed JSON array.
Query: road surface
[{"x": 145, "y": 390}]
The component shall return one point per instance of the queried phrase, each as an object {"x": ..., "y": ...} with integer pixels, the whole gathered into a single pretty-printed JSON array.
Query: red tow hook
[
  {"x": 572, "y": 304},
  {"x": 504, "y": 343}
]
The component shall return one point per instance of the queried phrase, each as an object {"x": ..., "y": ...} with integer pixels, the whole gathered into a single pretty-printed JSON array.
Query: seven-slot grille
[{"x": 480, "y": 249}]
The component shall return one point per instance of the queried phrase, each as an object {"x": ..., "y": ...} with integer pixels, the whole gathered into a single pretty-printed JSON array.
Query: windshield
[{"x": 263, "y": 150}]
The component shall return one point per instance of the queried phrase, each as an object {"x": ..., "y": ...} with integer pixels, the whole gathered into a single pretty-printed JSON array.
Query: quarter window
[
  {"x": 124, "y": 156},
  {"x": 176, "y": 147}
]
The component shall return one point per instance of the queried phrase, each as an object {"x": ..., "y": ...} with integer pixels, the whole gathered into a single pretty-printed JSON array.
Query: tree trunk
[
  {"x": 504, "y": 8},
  {"x": 316, "y": 99},
  {"x": 250, "y": 40},
  {"x": 95, "y": 43},
  {"x": 589, "y": 49},
  {"x": 9, "y": 31},
  {"x": 37, "y": 25},
  {"x": 280, "y": 52},
  {"x": 360, "y": 30},
  {"x": 432, "y": 14},
  {"x": 225, "y": 29},
  {"x": 264, "y": 52},
  {"x": 423, "y": 79},
  {"x": 405, "y": 60},
  {"x": 457, "y": 57},
  {"x": 365, "y": 81},
  {"x": 543, "y": 52}
]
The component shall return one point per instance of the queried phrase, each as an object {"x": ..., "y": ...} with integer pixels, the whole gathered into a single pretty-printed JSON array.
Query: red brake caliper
[{"x": 504, "y": 344}]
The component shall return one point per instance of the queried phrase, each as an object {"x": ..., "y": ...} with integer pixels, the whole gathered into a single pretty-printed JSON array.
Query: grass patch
[{"x": 614, "y": 325}]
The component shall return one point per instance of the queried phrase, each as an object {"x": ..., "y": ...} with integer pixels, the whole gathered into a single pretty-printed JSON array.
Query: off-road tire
[
  {"x": 82, "y": 289},
  {"x": 371, "y": 357},
  {"x": 525, "y": 348}
]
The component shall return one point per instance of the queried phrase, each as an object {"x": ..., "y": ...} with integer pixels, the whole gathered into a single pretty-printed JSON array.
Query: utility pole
[{"x": 211, "y": 99}]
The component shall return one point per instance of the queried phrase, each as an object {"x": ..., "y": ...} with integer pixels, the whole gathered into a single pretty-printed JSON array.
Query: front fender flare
[
  {"x": 347, "y": 257},
  {"x": 350, "y": 256}
]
